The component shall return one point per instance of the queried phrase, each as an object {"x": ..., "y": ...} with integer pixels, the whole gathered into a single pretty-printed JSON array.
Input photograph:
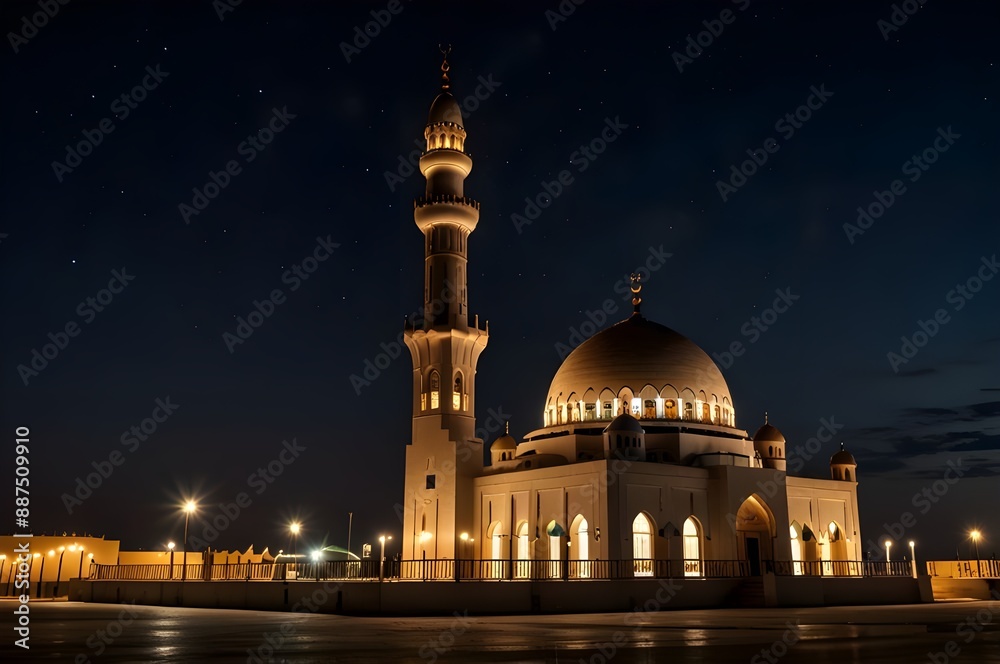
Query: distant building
[{"x": 639, "y": 458}]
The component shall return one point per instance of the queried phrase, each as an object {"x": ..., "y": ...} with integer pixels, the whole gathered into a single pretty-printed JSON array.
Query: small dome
[
  {"x": 843, "y": 457},
  {"x": 504, "y": 442},
  {"x": 625, "y": 422},
  {"x": 768, "y": 434},
  {"x": 445, "y": 109}
]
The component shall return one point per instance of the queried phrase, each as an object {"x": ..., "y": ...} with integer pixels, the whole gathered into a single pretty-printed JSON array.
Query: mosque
[{"x": 639, "y": 469}]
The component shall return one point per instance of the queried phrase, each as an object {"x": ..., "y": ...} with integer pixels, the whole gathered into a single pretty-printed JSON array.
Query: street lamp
[
  {"x": 189, "y": 508},
  {"x": 975, "y": 535},
  {"x": 381, "y": 556},
  {"x": 170, "y": 547},
  {"x": 62, "y": 552},
  {"x": 913, "y": 558},
  {"x": 888, "y": 544},
  {"x": 295, "y": 527}
]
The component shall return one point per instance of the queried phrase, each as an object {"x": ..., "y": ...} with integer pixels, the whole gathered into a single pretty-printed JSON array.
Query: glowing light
[
  {"x": 425, "y": 536},
  {"x": 171, "y": 545},
  {"x": 464, "y": 537},
  {"x": 295, "y": 527},
  {"x": 190, "y": 506}
]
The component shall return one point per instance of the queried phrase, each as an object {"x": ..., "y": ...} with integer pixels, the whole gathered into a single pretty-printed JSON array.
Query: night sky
[{"x": 880, "y": 95}]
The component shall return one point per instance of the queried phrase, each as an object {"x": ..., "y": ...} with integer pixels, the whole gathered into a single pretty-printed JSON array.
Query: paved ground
[{"x": 76, "y": 632}]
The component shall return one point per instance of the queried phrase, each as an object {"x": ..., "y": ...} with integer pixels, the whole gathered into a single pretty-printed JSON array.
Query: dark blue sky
[{"x": 344, "y": 124}]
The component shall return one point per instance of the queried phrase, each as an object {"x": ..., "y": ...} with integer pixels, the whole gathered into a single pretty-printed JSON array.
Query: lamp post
[
  {"x": 888, "y": 544},
  {"x": 62, "y": 552},
  {"x": 189, "y": 508},
  {"x": 41, "y": 573},
  {"x": 295, "y": 527},
  {"x": 170, "y": 547},
  {"x": 975, "y": 535},
  {"x": 913, "y": 558},
  {"x": 381, "y": 556},
  {"x": 79, "y": 571}
]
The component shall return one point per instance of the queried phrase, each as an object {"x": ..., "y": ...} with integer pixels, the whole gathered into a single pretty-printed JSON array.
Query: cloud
[{"x": 920, "y": 441}]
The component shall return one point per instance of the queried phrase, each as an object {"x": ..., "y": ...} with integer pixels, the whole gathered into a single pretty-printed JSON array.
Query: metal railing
[
  {"x": 495, "y": 570},
  {"x": 964, "y": 569},
  {"x": 857, "y": 568}
]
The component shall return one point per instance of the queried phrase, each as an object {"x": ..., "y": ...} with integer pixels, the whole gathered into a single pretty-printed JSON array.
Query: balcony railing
[{"x": 493, "y": 570}]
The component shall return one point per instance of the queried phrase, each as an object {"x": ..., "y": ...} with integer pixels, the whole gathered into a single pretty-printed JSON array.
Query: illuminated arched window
[
  {"x": 456, "y": 393},
  {"x": 649, "y": 409},
  {"x": 435, "y": 388},
  {"x": 692, "y": 547},
  {"x": 670, "y": 409},
  {"x": 523, "y": 551},
  {"x": 793, "y": 534},
  {"x": 688, "y": 411},
  {"x": 642, "y": 545}
]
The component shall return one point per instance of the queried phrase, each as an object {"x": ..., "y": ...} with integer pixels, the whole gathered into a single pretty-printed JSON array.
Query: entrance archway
[{"x": 754, "y": 533}]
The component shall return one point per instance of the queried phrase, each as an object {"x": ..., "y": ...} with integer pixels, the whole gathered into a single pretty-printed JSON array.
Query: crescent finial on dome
[{"x": 636, "y": 290}]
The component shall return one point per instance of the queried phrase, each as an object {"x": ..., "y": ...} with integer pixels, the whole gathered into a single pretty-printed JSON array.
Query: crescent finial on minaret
[
  {"x": 636, "y": 289},
  {"x": 445, "y": 67}
]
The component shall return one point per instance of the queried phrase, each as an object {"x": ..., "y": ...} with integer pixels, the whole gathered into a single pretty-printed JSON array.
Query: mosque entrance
[{"x": 755, "y": 533}]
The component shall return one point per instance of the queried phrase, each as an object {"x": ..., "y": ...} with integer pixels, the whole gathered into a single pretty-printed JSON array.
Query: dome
[
  {"x": 504, "y": 442},
  {"x": 843, "y": 457},
  {"x": 445, "y": 109},
  {"x": 647, "y": 359},
  {"x": 625, "y": 422},
  {"x": 768, "y": 434}
]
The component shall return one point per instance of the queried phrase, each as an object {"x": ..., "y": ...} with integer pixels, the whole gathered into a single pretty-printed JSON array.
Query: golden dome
[{"x": 636, "y": 354}]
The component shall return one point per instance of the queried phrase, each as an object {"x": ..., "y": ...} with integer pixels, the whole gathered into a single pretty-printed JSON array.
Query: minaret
[{"x": 444, "y": 453}]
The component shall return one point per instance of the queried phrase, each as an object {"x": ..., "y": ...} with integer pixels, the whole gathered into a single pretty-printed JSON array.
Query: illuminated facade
[{"x": 639, "y": 458}]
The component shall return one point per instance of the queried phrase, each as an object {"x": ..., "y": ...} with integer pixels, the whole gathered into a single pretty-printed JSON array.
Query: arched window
[
  {"x": 456, "y": 393},
  {"x": 580, "y": 550},
  {"x": 523, "y": 551},
  {"x": 670, "y": 409},
  {"x": 435, "y": 385},
  {"x": 495, "y": 534},
  {"x": 649, "y": 409},
  {"x": 793, "y": 533},
  {"x": 688, "y": 411},
  {"x": 718, "y": 416},
  {"x": 847, "y": 474},
  {"x": 555, "y": 533},
  {"x": 642, "y": 545},
  {"x": 608, "y": 410},
  {"x": 618, "y": 441},
  {"x": 692, "y": 547}
]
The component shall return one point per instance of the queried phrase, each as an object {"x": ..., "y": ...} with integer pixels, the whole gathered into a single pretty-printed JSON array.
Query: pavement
[{"x": 939, "y": 633}]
